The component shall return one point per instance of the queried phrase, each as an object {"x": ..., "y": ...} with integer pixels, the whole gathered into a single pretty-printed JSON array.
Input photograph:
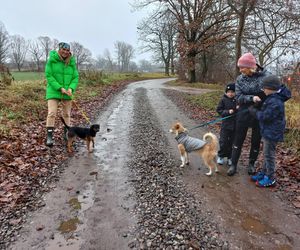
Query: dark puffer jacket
[
  {"x": 246, "y": 88},
  {"x": 223, "y": 107},
  {"x": 272, "y": 115}
]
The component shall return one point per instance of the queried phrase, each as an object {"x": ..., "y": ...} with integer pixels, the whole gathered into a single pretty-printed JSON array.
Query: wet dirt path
[
  {"x": 250, "y": 217},
  {"x": 91, "y": 206}
]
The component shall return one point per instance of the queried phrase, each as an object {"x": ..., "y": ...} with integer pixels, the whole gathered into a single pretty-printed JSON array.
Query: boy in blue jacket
[{"x": 271, "y": 119}]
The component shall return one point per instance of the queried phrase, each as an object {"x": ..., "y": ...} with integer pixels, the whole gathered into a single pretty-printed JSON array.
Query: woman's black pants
[{"x": 239, "y": 138}]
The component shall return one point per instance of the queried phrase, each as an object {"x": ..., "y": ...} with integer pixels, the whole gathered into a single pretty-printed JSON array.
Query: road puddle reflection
[{"x": 254, "y": 225}]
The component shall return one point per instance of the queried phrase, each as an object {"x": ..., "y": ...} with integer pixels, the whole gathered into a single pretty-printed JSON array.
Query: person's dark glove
[
  {"x": 252, "y": 111},
  {"x": 262, "y": 97}
]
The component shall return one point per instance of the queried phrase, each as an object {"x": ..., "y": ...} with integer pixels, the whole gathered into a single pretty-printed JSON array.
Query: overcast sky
[{"x": 96, "y": 24}]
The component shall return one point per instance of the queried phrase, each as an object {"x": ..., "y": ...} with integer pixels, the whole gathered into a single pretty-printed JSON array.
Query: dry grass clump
[{"x": 292, "y": 110}]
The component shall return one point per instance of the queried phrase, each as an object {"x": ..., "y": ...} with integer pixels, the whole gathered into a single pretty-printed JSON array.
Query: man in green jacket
[{"x": 62, "y": 81}]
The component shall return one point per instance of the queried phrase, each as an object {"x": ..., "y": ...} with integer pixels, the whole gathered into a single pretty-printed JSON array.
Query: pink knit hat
[{"x": 247, "y": 61}]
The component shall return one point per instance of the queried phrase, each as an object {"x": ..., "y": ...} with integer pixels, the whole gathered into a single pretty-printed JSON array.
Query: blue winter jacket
[{"x": 271, "y": 117}]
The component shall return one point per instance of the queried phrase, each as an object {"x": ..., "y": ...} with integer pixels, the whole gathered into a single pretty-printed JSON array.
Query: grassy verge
[
  {"x": 27, "y": 76},
  {"x": 197, "y": 85}
]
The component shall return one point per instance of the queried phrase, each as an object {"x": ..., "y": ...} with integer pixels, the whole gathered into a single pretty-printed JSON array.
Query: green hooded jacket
[{"x": 59, "y": 76}]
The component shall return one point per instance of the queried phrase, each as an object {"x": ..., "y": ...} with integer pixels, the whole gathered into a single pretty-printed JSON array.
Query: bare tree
[
  {"x": 19, "y": 48},
  {"x": 124, "y": 54},
  {"x": 277, "y": 27},
  {"x": 81, "y": 54},
  {"x": 101, "y": 62},
  {"x": 46, "y": 44},
  {"x": 55, "y": 43},
  {"x": 36, "y": 52},
  {"x": 4, "y": 43},
  {"x": 145, "y": 65},
  {"x": 158, "y": 35},
  {"x": 242, "y": 9},
  {"x": 201, "y": 24},
  {"x": 132, "y": 67},
  {"x": 110, "y": 62}
]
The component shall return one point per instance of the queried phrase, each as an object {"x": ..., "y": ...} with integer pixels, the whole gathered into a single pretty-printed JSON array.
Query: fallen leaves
[{"x": 27, "y": 166}]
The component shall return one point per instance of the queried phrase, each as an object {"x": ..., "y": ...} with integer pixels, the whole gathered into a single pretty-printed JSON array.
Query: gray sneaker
[
  {"x": 220, "y": 160},
  {"x": 229, "y": 162}
]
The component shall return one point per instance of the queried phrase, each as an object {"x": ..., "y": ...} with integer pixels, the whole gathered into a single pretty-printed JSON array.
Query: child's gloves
[{"x": 252, "y": 111}]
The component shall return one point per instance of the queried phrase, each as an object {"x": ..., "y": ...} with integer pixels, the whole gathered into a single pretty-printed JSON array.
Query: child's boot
[
  {"x": 258, "y": 176},
  {"x": 266, "y": 182},
  {"x": 220, "y": 160},
  {"x": 251, "y": 167}
]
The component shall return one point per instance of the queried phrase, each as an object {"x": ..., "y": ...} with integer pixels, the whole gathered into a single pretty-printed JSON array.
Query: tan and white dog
[{"x": 206, "y": 148}]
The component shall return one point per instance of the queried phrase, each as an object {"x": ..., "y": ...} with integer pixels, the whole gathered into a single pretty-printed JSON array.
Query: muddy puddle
[{"x": 66, "y": 237}]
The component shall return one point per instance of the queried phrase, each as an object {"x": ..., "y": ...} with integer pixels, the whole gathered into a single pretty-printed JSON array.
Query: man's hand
[{"x": 230, "y": 111}]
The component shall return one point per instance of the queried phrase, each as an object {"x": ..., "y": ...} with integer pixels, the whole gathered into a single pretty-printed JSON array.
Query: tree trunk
[
  {"x": 192, "y": 68},
  {"x": 204, "y": 67},
  {"x": 172, "y": 69},
  {"x": 238, "y": 42},
  {"x": 167, "y": 70},
  {"x": 192, "y": 75}
]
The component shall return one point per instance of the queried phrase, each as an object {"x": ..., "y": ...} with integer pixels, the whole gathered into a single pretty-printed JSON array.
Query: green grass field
[{"x": 27, "y": 76}]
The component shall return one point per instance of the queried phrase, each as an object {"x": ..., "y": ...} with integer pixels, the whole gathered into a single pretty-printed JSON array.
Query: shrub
[
  {"x": 6, "y": 77},
  {"x": 91, "y": 77}
]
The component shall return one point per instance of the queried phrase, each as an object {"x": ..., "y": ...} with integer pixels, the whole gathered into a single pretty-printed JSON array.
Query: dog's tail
[
  {"x": 212, "y": 140},
  {"x": 62, "y": 119}
]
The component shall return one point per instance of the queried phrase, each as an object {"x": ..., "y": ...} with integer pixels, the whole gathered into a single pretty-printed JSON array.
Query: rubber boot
[
  {"x": 251, "y": 167},
  {"x": 49, "y": 141},
  {"x": 235, "y": 155},
  {"x": 232, "y": 170},
  {"x": 65, "y": 134}
]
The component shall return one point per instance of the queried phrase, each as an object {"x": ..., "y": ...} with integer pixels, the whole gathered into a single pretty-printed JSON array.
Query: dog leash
[
  {"x": 217, "y": 120},
  {"x": 212, "y": 122},
  {"x": 76, "y": 105},
  {"x": 82, "y": 112}
]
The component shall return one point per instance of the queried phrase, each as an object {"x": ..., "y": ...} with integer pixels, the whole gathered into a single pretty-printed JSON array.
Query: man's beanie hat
[
  {"x": 230, "y": 86},
  {"x": 63, "y": 45},
  {"x": 271, "y": 82},
  {"x": 247, "y": 61}
]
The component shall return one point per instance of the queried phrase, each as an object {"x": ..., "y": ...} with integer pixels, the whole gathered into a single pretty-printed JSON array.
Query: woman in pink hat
[{"x": 248, "y": 90}]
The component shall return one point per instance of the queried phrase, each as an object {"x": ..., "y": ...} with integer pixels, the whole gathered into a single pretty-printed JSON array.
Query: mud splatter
[
  {"x": 69, "y": 225},
  {"x": 75, "y": 204}
]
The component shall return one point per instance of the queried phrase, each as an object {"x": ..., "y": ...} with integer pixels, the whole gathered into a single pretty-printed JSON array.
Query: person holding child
[
  {"x": 248, "y": 92},
  {"x": 227, "y": 107},
  {"x": 271, "y": 119},
  {"x": 62, "y": 80}
]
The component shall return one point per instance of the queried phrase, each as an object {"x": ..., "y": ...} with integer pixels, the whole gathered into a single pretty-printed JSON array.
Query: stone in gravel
[
  {"x": 131, "y": 244},
  {"x": 39, "y": 227}
]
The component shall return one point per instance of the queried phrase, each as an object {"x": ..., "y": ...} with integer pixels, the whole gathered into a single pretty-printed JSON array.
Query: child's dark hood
[{"x": 284, "y": 93}]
